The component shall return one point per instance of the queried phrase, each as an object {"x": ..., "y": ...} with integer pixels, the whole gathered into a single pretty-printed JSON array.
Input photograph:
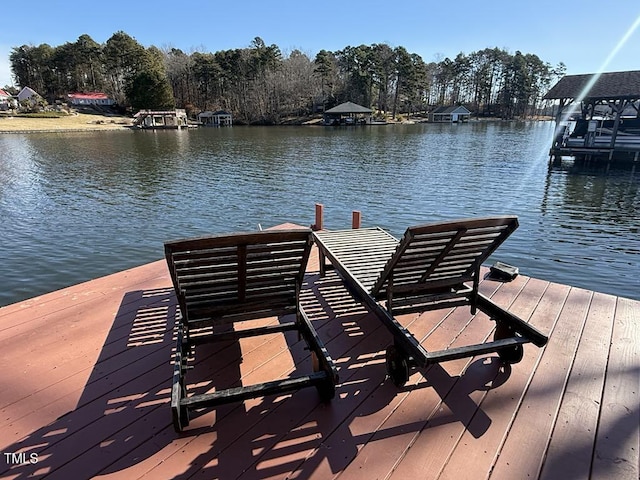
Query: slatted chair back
[
  {"x": 437, "y": 262},
  {"x": 228, "y": 278}
]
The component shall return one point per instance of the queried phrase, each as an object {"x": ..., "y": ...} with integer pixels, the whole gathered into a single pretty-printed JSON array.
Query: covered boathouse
[
  {"x": 598, "y": 118},
  {"x": 451, "y": 114},
  {"x": 218, "y": 118},
  {"x": 153, "y": 119},
  {"x": 348, "y": 113}
]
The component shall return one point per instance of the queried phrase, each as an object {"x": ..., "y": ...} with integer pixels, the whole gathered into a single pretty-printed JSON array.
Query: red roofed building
[
  {"x": 4, "y": 100},
  {"x": 91, "y": 98}
]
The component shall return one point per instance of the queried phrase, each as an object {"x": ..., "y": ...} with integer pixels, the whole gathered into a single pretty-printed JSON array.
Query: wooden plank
[
  {"x": 31, "y": 313},
  {"x": 571, "y": 444},
  {"x": 616, "y": 449},
  {"x": 531, "y": 428},
  {"x": 69, "y": 342},
  {"x": 474, "y": 457}
]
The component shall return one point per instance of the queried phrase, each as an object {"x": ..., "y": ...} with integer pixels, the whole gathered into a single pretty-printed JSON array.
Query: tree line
[{"x": 261, "y": 84}]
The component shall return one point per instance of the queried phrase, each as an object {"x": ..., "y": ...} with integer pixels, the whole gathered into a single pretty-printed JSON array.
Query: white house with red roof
[
  {"x": 90, "y": 98},
  {"x": 5, "y": 100}
]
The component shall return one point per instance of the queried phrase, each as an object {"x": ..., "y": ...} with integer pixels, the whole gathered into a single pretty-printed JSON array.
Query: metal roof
[
  {"x": 89, "y": 96},
  {"x": 451, "y": 109},
  {"x": 607, "y": 86},
  {"x": 348, "y": 107}
]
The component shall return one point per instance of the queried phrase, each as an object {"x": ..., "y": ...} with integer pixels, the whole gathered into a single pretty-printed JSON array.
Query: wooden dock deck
[{"x": 87, "y": 374}]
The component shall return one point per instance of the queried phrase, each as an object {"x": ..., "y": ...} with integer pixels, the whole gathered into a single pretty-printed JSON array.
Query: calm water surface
[{"x": 75, "y": 206}]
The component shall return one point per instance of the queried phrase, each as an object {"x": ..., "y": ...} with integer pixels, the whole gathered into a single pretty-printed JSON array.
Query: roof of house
[
  {"x": 28, "y": 91},
  {"x": 451, "y": 109},
  {"x": 4, "y": 94},
  {"x": 348, "y": 107},
  {"x": 609, "y": 86},
  {"x": 211, "y": 114},
  {"x": 177, "y": 112},
  {"x": 89, "y": 96}
]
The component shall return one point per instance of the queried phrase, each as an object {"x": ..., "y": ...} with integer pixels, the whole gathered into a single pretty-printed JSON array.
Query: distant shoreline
[
  {"x": 80, "y": 122},
  {"x": 84, "y": 122}
]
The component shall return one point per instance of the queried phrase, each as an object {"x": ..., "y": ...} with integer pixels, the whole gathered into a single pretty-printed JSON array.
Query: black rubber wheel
[
  {"x": 397, "y": 366},
  {"x": 509, "y": 355},
  {"x": 326, "y": 390}
]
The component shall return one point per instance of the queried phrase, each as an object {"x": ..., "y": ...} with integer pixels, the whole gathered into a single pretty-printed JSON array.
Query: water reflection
[{"x": 79, "y": 205}]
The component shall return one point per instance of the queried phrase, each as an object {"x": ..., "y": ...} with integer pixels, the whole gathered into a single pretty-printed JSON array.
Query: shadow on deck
[{"x": 565, "y": 411}]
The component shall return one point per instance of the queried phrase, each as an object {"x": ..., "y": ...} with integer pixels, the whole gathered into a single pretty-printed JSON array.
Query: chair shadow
[{"x": 300, "y": 433}]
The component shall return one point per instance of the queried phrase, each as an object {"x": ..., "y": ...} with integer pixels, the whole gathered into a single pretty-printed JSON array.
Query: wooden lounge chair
[
  {"x": 433, "y": 266},
  {"x": 222, "y": 280}
]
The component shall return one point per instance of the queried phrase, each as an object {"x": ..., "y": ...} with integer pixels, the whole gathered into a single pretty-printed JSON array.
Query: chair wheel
[
  {"x": 326, "y": 390},
  {"x": 397, "y": 366},
  {"x": 509, "y": 355}
]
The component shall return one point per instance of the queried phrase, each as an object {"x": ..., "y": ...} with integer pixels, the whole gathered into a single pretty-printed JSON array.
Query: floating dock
[{"x": 87, "y": 376}]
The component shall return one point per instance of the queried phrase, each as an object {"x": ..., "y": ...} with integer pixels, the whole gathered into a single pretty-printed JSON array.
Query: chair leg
[
  {"x": 179, "y": 412},
  {"x": 510, "y": 355},
  {"x": 326, "y": 388},
  {"x": 320, "y": 358}
]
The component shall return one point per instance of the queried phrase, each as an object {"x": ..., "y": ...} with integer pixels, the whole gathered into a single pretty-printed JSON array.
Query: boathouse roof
[
  {"x": 607, "y": 86},
  {"x": 348, "y": 107},
  {"x": 447, "y": 110}
]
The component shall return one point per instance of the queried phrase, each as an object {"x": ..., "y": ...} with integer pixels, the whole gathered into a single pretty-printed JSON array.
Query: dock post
[
  {"x": 319, "y": 217},
  {"x": 356, "y": 219}
]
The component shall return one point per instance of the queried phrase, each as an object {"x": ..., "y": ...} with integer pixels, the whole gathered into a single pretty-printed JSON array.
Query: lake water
[{"x": 75, "y": 206}]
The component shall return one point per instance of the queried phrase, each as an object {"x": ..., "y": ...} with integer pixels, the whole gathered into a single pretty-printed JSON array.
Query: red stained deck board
[
  {"x": 530, "y": 430},
  {"x": 573, "y": 437},
  {"x": 616, "y": 450},
  {"x": 93, "y": 394},
  {"x": 473, "y": 457}
]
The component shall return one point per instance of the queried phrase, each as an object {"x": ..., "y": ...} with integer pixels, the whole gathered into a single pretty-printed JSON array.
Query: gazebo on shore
[{"x": 347, "y": 113}]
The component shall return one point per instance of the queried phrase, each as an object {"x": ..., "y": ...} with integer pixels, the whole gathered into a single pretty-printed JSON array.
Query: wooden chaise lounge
[
  {"x": 434, "y": 266},
  {"x": 222, "y": 280}
]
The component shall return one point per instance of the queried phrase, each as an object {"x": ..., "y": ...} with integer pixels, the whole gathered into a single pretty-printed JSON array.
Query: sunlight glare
[{"x": 623, "y": 41}]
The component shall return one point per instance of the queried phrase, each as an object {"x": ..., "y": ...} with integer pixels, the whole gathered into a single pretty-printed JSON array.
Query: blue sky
[{"x": 582, "y": 34}]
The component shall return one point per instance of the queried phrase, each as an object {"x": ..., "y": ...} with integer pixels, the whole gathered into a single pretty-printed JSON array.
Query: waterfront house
[
  {"x": 5, "y": 100},
  {"x": 29, "y": 94},
  {"x": 90, "y": 98},
  {"x": 219, "y": 118},
  {"x": 161, "y": 119},
  {"x": 451, "y": 114},
  {"x": 347, "y": 113}
]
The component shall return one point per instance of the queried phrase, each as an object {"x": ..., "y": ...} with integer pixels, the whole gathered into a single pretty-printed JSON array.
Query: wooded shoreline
[{"x": 261, "y": 84}]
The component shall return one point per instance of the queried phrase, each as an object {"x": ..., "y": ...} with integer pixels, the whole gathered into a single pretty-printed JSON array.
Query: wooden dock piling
[
  {"x": 319, "y": 225},
  {"x": 356, "y": 219}
]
